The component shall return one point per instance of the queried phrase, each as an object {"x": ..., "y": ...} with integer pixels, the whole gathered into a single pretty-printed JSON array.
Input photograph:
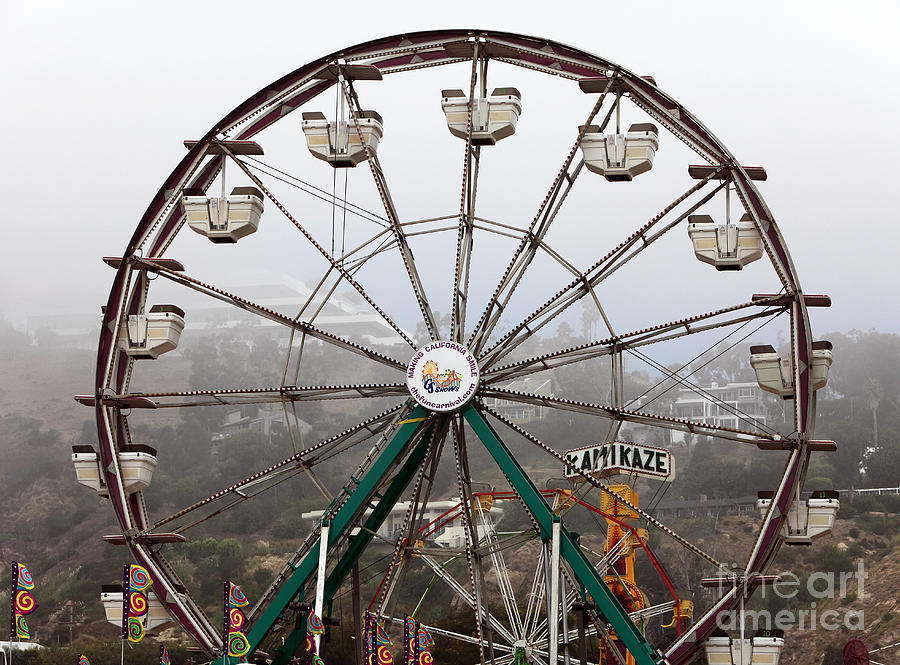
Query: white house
[{"x": 737, "y": 405}]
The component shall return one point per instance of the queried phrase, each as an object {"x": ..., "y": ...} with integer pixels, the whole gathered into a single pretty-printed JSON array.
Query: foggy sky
[{"x": 99, "y": 96}]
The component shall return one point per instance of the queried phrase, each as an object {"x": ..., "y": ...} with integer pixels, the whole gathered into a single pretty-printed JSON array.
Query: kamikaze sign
[{"x": 609, "y": 459}]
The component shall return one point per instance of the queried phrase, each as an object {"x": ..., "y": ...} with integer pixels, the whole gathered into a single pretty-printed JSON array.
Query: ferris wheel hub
[{"x": 443, "y": 376}]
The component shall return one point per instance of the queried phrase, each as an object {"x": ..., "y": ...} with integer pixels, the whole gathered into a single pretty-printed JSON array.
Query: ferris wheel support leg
[
  {"x": 389, "y": 497},
  {"x": 607, "y": 606},
  {"x": 360, "y": 541},
  {"x": 343, "y": 521},
  {"x": 320, "y": 574},
  {"x": 553, "y": 578}
]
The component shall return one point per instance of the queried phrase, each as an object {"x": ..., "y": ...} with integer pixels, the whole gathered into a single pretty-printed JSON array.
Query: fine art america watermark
[{"x": 819, "y": 586}]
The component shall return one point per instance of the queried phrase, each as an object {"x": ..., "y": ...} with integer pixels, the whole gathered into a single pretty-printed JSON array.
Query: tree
[
  {"x": 590, "y": 317},
  {"x": 883, "y": 463}
]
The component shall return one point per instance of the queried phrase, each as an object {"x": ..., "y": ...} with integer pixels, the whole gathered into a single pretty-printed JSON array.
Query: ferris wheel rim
[{"x": 118, "y": 300}]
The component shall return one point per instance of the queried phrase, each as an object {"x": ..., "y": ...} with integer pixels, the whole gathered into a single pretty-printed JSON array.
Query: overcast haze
[{"x": 99, "y": 96}]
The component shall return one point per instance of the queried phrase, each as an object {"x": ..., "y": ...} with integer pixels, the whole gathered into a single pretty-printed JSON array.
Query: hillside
[{"x": 55, "y": 526}]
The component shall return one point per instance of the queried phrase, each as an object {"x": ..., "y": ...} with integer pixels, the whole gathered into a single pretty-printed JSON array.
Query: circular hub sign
[{"x": 442, "y": 376}]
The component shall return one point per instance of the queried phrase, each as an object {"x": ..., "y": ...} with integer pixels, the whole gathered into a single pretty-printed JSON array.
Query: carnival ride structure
[{"x": 505, "y": 289}]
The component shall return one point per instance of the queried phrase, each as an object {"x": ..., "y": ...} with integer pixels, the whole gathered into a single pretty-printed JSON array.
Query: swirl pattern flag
[
  {"x": 25, "y": 603},
  {"x": 236, "y": 597},
  {"x": 236, "y": 619},
  {"x": 317, "y": 660},
  {"x": 138, "y": 578},
  {"x": 24, "y": 578},
  {"x": 314, "y": 624},
  {"x": 384, "y": 655},
  {"x": 163, "y": 655},
  {"x": 409, "y": 641},
  {"x": 83, "y": 660},
  {"x": 369, "y": 651},
  {"x": 135, "y": 629},
  {"x": 22, "y": 631},
  {"x": 381, "y": 636},
  {"x": 238, "y": 645},
  {"x": 234, "y": 640},
  {"x": 425, "y": 658},
  {"x": 137, "y": 604},
  {"x": 426, "y": 641},
  {"x": 21, "y": 601}
]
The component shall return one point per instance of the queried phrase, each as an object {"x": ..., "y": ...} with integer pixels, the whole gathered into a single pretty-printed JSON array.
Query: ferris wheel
[{"x": 569, "y": 187}]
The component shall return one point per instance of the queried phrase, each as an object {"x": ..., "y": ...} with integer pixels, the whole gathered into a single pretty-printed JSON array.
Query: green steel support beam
[
  {"x": 379, "y": 513},
  {"x": 343, "y": 520},
  {"x": 607, "y": 605},
  {"x": 359, "y": 542}
]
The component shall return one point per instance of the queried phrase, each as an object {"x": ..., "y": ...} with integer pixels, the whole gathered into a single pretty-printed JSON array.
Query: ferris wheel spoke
[
  {"x": 535, "y": 596},
  {"x": 467, "y": 597},
  {"x": 355, "y": 263},
  {"x": 421, "y": 492},
  {"x": 273, "y": 395},
  {"x": 537, "y": 230},
  {"x": 493, "y": 548},
  {"x": 473, "y": 558},
  {"x": 391, "y": 211},
  {"x": 540, "y": 637},
  {"x": 662, "y": 332},
  {"x": 266, "y": 313},
  {"x": 458, "y": 636},
  {"x": 331, "y": 198},
  {"x": 352, "y": 265},
  {"x": 584, "y": 283},
  {"x": 335, "y": 264},
  {"x": 469, "y": 188},
  {"x": 297, "y": 463},
  {"x": 625, "y": 415}
]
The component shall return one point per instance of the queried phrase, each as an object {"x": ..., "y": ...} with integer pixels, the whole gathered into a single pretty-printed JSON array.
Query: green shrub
[
  {"x": 819, "y": 483},
  {"x": 866, "y": 503},
  {"x": 831, "y": 559}
]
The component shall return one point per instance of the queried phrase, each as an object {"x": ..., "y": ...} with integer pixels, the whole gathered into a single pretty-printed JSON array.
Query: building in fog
[
  {"x": 344, "y": 315},
  {"x": 736, "y": 405},
  {"x": 266, "y": 419},
  {"x": 441, "y": 522}
]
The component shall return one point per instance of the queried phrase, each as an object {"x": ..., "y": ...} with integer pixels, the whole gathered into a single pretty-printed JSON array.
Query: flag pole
[
  {"x": 226, "y": 622},
  {"x": 126, "y": 587},
  {"x": 12, "y": 607}
]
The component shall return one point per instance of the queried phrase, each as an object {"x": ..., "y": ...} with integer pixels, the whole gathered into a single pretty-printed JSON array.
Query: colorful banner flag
[
  {"x": 135, "y": 603},
  {"x": 410, "y": 641},
  {"x": 426, "y": 641},
  {"x": 417, "y": 642},
  {"x": 234, "y": 641},
  {"x": 22, "y": 601},
  {"x": 314, "y": 626},
  {"x": 163, "y": 655},
  {"x": 376, "y": 642},
  {"x": 367, "y": 638},
  {"x": 22, "y": 630},
  {"x": 83, "y": 660}
]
